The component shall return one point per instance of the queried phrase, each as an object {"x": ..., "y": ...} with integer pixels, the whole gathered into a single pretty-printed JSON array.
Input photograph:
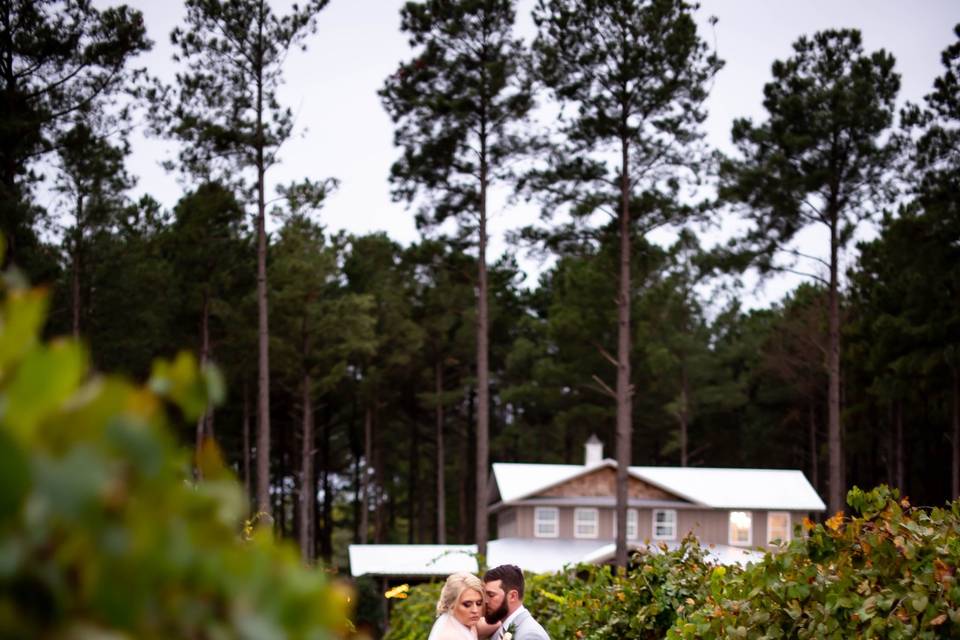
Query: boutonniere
[{"x": 508, "y": 634}]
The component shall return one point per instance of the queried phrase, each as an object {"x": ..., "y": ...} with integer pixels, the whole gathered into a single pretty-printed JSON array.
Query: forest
[{"x": 369, "y": 384}]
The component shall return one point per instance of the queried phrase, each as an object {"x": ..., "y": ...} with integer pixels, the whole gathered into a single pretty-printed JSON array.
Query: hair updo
[{"x": 455, "y": 585}]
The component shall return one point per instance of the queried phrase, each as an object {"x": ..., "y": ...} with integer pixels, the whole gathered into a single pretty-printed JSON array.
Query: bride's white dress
[{"x": 447, "y": 627}]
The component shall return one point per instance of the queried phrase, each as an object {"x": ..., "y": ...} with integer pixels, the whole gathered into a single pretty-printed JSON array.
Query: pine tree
[
  {"x": 206, "y": 249},
  {"x": 820, "y": 158},
  {"x": 58, "y": 59},
  {"x": 224, "y": 108},
  {"x": 936, "y": 157},
  {"x": 634, "y": 73},
  {"x": 457, "y": 106},
  {"x": 320, "y": 329},
  {"x": 92, "y": 179}
]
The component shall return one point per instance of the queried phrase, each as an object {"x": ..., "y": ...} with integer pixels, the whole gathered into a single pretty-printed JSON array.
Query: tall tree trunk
[
  {"x": 308, "y": 496},
  {"x": 365, "y": 474},
  {"x": 326, "y": 539},
  {"x": 263, "y": 332},
  {"x": 955, "y": 440},
  {"x": 355, "y": 450},
  {"x": 246, "y": 441},
  {"x": 77, "y": 266},
  {"x": 441, "y": 492},
  {"x": 204, "y": 355},
  {"x": 684, "y": 415},
  {"x": 891, "y": 459},
  {"x": 9, "y": 197},
  {"x": 208, "y": 428},
  {"x": 624, "y": 391},
  {"x": 814, "y": 453},
  {"x": 483, "y": 382},
  {"x": 898, "y": 457},
  {"x": 379, "y": 523},
  {"x": 834, "y": 435},
  {"x": 470, "y": 460},
  {"x": 413, "y": 471}
]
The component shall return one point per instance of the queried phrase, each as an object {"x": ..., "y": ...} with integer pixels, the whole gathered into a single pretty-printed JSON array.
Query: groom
[{"x": 504, "y": 604}]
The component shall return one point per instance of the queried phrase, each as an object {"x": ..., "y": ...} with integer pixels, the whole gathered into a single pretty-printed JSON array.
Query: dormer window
[{"x": 546, "y": 522}]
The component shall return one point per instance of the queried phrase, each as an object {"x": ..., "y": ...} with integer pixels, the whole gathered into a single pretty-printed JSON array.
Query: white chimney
[{"x": 594, "y": 451}]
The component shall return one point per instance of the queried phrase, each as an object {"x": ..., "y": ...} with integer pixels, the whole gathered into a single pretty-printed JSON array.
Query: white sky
[{"x": 344, "y": 132}]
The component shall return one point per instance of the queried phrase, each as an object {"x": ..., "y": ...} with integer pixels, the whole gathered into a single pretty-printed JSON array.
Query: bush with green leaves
[
  {"x": 103, "y": 533},
  {"x": 599, "y": 602},
  {"x": 412, "y": 617},
  {"x": 890, "y": 572}
]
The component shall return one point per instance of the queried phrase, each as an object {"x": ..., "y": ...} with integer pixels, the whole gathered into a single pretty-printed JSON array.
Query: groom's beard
[{"x": 498, "y": 615}]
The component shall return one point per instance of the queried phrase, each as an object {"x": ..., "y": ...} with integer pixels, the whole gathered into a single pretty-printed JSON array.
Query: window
[
  {"x": 546, "y": 522},
  {"x": 664, "y": 524},
  {"x": 632, "y": 519},
  {"x": 778, "y": 527},
  {"x": 586, "y": 523},
  {"x": 741, "y": 528}
]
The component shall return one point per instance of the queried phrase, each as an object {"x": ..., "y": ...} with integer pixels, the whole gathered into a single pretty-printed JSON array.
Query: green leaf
[
  {"x": 23, "y": 314},
  {"x": 919, "y": 602},
  {"x": 14, "y": 476},
  {"x": 182, "y": 382},
  {"x": 42, "y": 383}
]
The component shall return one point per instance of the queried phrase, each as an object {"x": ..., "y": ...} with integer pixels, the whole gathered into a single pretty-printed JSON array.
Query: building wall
[
  {"x": 711, "y": 526},
  {"x": 507, "y": 524}
]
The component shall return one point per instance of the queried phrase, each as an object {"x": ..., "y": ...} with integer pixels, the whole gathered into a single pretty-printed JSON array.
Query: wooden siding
[
  {"x": 603, "y": 483},
  {"x": 507, "y": 523},
  {"x": 711, "y": 526}
]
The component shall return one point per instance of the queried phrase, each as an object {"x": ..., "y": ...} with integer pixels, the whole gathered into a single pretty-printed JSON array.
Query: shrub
[
  {"x": 102, "y": 532},
  {"x": 590, "y": 601},
  {"x": 888, "y": 573},
  {"x": 412, "y": 618}
]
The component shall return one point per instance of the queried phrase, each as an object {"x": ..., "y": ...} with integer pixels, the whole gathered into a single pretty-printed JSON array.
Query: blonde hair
[{"x": 454, "y": 587}]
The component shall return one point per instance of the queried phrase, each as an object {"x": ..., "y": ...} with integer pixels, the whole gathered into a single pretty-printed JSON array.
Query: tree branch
[{"x": 604, "y": 388}]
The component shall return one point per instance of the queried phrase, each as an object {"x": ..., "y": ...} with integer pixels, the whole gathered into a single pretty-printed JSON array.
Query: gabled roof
[
  {"x": 786, "y": 489},
  {"x": 516, "y": 480}
]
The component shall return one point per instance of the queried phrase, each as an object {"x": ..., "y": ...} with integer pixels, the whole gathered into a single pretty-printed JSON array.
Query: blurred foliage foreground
[
  {"x": 890, "y": 571},
  {"x": 103, "y": 534}
]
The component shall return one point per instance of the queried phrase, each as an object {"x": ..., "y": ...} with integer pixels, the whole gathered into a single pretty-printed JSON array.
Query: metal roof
[
  {"x": 412, "y": 559},
  {"x": 531, "y": 554},
  {"x": 786, "y": 489},
  {"x": 517, "y": 480}
]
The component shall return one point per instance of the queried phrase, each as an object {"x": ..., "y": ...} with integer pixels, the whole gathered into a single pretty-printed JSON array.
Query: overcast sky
[{"x": 343, "y": 132}]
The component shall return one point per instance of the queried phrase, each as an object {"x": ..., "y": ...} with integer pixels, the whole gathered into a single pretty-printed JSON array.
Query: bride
[{"x": 459, "y": 608}]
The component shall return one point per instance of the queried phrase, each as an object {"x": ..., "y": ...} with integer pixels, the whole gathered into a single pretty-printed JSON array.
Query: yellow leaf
[
  {"x": 399, "y": 592},
  {"x": 210, "y": 461},
  {"x": 836, "y": 521}
]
